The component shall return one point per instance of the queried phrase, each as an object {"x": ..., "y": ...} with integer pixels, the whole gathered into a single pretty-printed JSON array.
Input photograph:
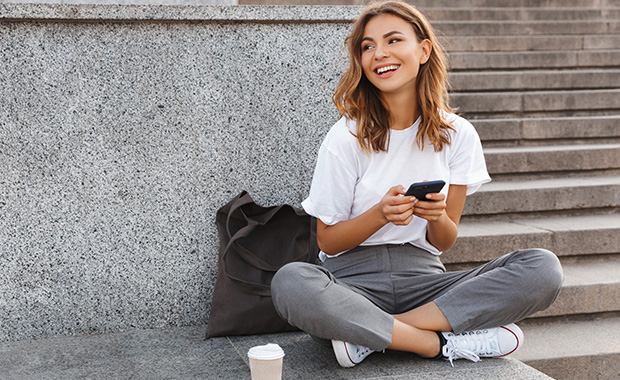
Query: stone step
[
  {"x": 526, "y": 28},
  {"x": 456, "y": 13},
  {"x": 543, "y": 159},
  {"x": 589, "y": 287},
  {"x": 585, "y": 5},
  {"x": 514, "y": 14},
  {"x": 596, "y": 4},
  {"x": 544, "y": 195},
  {"x": 536, "y": 101},
  {"x": 588, "y": 349},
  {"x": 475, "y": 43},
  {"x": 535, "y": 80},
  {"x": 480, "y": 242},
  {"x": 534, "y": 129},
  {"x": 547, "y": 59},
  {"x": 493, "y": 13}
]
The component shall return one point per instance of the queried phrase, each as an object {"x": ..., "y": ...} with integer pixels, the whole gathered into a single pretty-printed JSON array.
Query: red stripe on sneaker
[
  {"x": 516, "y": 337},
  {"x": 347, "y": 351}
]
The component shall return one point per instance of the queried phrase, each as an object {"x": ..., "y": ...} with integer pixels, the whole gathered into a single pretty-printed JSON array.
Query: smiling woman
[
  {"x": 381, "y": 283},
  {"x": 395, "y": 26}
]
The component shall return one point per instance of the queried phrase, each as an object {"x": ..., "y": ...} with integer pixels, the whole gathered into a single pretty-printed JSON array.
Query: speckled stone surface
[
  {"x": 120, "y": 140},
  {"x": 126, "y": 2},
  {"x": 184, "y": 12},
  {"x": 182, "y": 353}
]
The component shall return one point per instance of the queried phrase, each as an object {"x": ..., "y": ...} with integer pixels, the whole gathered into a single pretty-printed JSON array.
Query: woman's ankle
[{"x": 435, "y": 352}]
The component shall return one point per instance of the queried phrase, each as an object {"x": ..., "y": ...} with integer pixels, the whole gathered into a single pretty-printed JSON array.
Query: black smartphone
[{"x": 420, "y": 189}]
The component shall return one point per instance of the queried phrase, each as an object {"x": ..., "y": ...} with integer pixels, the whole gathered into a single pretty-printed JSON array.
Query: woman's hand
[
  {"x": 432, "y": 208},
  {"x": 442, "y": 231},
  {"x": 399, "y": 210},
  {"x": 396, "y": 208}
]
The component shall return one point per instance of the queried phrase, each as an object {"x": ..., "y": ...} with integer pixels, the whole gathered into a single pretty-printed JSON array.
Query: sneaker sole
[{"x": 342, "y": 354}]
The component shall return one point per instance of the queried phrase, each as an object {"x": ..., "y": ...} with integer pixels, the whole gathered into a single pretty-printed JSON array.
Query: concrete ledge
[
  {"x": 183, "y": 354},
  {"x": 264, "y": 13},
  {"x": 127, "y": 2}
]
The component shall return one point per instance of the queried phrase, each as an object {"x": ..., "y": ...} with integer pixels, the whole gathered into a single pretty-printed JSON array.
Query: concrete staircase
[{"x": 541, "y": 83}]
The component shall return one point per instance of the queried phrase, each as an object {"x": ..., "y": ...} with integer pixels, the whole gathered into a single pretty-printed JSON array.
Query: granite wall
[
  {"x": 129, "y": 2},
  {"x": 124, "y": 128}
]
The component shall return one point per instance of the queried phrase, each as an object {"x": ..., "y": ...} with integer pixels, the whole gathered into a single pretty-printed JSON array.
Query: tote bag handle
[{"x": 249, "y": 257}]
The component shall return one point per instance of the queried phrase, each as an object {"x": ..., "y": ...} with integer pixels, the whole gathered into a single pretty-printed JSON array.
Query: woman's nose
[{"x": 381, "y": 52}]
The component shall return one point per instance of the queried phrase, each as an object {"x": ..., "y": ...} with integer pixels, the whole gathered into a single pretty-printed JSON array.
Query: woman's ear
[{"x": 427, "y": 48}]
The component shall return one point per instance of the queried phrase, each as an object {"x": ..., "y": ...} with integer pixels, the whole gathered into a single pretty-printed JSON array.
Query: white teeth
[{"x": 383, "y": 69}]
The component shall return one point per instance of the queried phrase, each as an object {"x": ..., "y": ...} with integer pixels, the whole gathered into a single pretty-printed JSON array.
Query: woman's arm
[
  {"x": 348, "y": 234},
  {"x": 443, "y": 216}
]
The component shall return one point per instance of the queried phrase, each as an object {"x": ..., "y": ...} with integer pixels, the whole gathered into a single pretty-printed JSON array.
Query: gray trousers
[{"x": 353, "y": 297}]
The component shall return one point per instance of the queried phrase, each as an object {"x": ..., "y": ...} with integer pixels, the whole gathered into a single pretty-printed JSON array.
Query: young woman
[{"x": 381, "y": 283}]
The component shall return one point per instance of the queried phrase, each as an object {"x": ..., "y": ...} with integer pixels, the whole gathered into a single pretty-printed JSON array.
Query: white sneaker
[
  {"x": 348, "y": 355},
  {"x": 486, "y": 343}
]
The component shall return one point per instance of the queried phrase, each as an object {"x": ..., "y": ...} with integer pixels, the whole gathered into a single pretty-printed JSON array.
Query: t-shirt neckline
[{"x": 413, "y": 126}]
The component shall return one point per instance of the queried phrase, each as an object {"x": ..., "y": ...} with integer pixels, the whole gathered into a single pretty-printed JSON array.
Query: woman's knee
[
  {"x": 549, "y": 275},
  {"x": 293, "y": 282},
  {"x": 293, "y": 273},
  {"x": 285, "y": 277},
  {"x": 550, "y": 264}
]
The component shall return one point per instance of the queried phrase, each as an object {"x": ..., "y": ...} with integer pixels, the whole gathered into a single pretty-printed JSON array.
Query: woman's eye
[
  {"x": 366, "y": 47},
  {"x": 392, "y": 40}
]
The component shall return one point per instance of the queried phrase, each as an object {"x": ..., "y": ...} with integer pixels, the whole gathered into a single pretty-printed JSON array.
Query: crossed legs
[
  {"x": 414, "y": 331},
  {"x": 500, "y": 292}
]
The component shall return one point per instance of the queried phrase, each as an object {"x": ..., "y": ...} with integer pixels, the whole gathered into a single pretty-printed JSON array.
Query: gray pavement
[{"x": 182, "y": 353}]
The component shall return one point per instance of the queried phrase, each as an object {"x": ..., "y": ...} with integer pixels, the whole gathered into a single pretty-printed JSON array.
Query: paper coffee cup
[{"x": 266, "y": 362}]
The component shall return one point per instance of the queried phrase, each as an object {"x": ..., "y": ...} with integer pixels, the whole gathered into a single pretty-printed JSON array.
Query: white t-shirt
[{"x": 347, "y": 181}]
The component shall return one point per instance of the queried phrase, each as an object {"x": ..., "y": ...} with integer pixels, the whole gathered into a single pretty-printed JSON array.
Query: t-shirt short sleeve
[
  {"x": 467, "y": 164},
  {"x": 335, "y": 176}
]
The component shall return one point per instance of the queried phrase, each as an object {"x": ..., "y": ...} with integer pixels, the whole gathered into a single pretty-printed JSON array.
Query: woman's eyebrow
[{"x": 386, "y": 35}]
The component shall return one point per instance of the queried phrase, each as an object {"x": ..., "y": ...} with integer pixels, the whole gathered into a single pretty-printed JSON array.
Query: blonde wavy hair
[{"x": 358, "y": 99}]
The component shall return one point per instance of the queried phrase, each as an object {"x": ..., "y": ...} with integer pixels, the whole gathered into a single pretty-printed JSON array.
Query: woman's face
[{"x": 392, "y": 55}]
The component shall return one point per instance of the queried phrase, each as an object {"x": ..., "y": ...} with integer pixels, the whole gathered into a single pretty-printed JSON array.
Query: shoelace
[
  {"x": 459, "y": 353},
  {"x": 362, "y": 352},
  {"x": 468, "y": 347}
]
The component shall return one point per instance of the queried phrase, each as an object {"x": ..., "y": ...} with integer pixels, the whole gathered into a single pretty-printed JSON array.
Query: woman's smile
[{"x": 386, "y": 71}]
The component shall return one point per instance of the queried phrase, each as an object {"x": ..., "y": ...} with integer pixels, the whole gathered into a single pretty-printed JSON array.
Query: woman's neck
[{"x": 403, "y": 110}]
